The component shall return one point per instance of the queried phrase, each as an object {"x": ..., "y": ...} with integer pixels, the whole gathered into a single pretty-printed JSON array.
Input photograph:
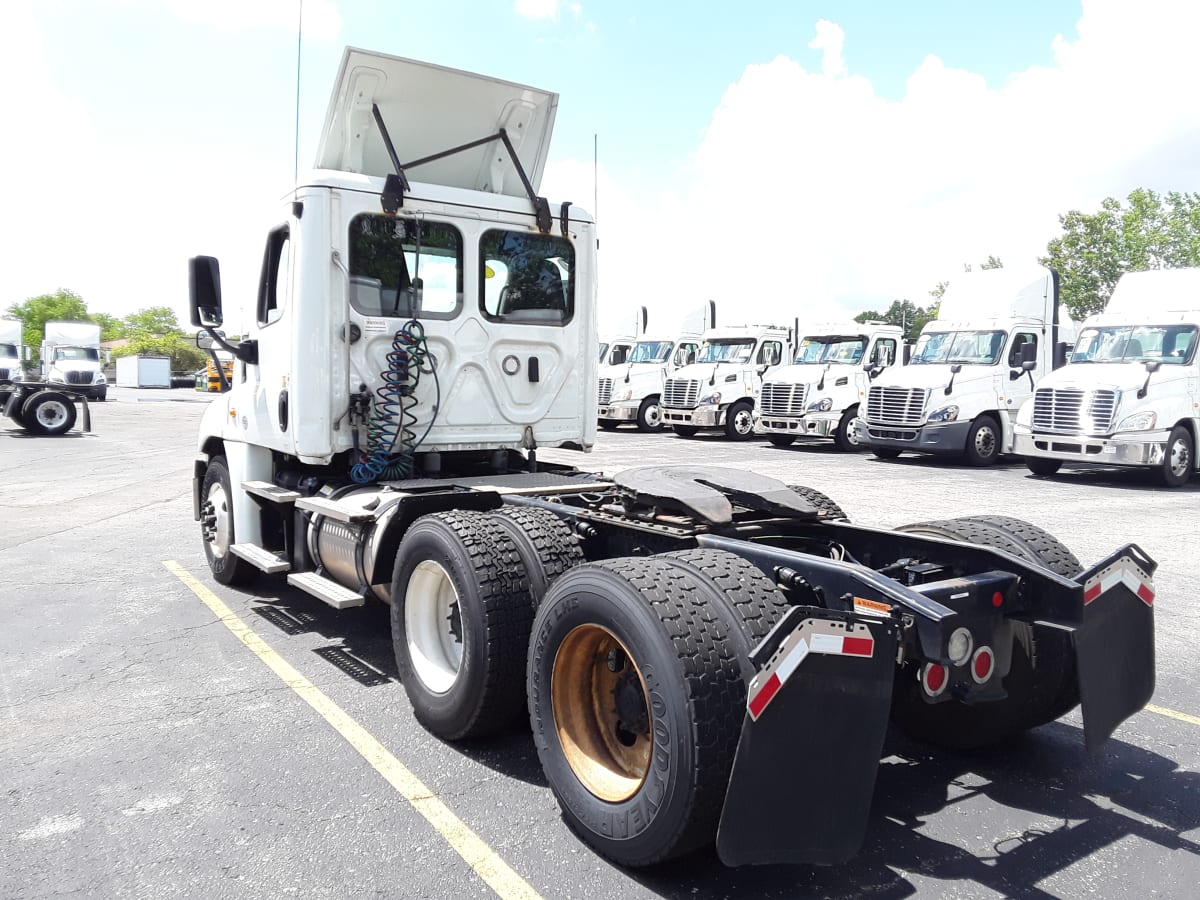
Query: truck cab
[
  {"x": 972, "y": 367},
  {"x": 719, "y": 390},
  {"x": 1130, "y": 392},
  {"x": 71, "y": 357},
  {"x": 819, "y": 394},
  {"x": 632, "y": 391},
  {"x": 13, "y": 353},
  {"x": 616, "y": 351}
]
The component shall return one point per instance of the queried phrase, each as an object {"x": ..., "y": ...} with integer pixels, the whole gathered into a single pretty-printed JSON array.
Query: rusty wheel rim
[{"x": 601, "y": 713}]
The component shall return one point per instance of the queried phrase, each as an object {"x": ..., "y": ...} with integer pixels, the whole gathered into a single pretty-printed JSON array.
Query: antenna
[
  {"x": 595, "y": 178},
  {"x": 296, "y": 159}
]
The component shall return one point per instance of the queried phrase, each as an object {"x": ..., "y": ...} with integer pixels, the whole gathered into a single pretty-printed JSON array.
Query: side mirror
[
  {"x": 204, "y": 285},
  {"x": 1028, "y": 365},
  {"x": 956, "y": 368},
  {"x": 204, "y": 340},
  {"x": 1028, "y": 355},
  {"x": 25, "y": 354},
  {"x": 108, "y": 357}
]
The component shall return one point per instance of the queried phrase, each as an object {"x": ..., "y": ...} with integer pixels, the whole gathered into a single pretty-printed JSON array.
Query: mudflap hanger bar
[
  {"x": 817, "y": 712},
  {"x": 397, "y": 184}
]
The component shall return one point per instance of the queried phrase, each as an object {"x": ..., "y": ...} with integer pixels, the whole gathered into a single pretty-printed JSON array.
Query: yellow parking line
[
  {"x": 479, "y": 856},
  {"x": 1170, "y": 713}
]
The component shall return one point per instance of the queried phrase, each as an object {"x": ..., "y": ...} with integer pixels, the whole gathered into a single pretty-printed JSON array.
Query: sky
[{"x": 785, "y": 158}]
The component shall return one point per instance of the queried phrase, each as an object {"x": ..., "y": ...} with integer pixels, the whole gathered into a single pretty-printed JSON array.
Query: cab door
[{"x": 270, "y": 421}]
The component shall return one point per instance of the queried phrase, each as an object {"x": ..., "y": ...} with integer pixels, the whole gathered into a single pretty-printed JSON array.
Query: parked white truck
[
  {"x": 670, "y": 633},
  {"x": 13, "y": 351},
  {"x": 1130, "y": 394},
  {"x": 71, "y": 357},
  {"x": 632, "y": 391},
  {"x": 971, "y": 369},
  {"x": 819, "y": 394},
  {"x": 719, "y": 390}
]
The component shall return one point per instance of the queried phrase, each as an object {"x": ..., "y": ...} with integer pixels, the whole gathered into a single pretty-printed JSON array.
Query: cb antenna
[
  {"x": 296, "y": 158},
  {"x": 595, "y": 178}
]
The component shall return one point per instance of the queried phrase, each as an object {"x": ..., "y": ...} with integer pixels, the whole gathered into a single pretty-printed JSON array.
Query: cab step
[
  {"x": 351, "y": 515},
  {"x": 325, "y": 589},
  {"x": 261, "y": 558},
  {"x": 272, "y": 492}
]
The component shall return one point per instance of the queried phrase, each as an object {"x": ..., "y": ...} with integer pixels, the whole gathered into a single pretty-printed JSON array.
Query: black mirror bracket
[
  {"x": 1152, "y": 366},
  {"x": 244, "y": 351}
]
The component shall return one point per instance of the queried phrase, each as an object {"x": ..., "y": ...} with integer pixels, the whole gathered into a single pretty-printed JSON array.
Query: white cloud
[
  {"x": 811, "y": 194},
  {"x": 537, "y": 9}
]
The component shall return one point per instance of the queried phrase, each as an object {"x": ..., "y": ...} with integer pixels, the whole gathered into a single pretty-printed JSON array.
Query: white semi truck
[
  {"x": 718, "y": 391},
  {"x": 71, "y": 358},
  {"x": 632, "y": 391},
  {"x": 973, "y": 366},
  {"x": 1130, "y": 393},
  {"x": 819, "y": 394},
  {"x": 670, "y": 633},
  {"x": 13, "y": 350}
]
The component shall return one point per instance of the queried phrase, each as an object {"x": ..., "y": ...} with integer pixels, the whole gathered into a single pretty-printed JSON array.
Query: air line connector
[{"x": 791, "y": 580}]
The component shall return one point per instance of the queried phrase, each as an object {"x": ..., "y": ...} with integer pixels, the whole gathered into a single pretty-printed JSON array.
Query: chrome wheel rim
[
  {"x": 1179, "y": 459},
  {"x": 433, "y": 625},
  {"x": 985, "y": 442},
  {"x": 216, "y": 521},
  {"x": 743, "y": 422},
  {"x": 653, "y": 415},
  {"x": 50, "y": 414}
]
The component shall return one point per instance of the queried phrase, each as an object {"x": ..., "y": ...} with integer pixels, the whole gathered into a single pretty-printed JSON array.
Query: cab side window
[
  {"x": 685, "y": 355},
  {"x": 885, "y": 352},
  {"x": 275, "y": 280},
  {"x": 1014, "y": 353},
  {"x": 770, "y": 353}
]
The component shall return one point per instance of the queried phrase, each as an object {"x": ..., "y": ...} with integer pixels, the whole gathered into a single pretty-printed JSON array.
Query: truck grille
[
  {"x": 895, "y": 405},
  {"x": 79, "y": 377},
  {"x": 4, "y": 373},
  {"x": 1072, "y": 411},
  {"x": 681, "y": 393},
  {"x": 779, "y": 399},
  {"x": 605, "y": 392}
]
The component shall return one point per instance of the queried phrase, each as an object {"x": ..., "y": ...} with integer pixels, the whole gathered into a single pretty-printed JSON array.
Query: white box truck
[
  {"x": 718, "y": 391},
  {"x": 71, "y": 358},
  {"x": 670, "y": 634},
  {"x": 1130, "y": 394},
  {"x": 973, "y": 366},
  {"x": 144, "y": 371},
  {"x": 819, "y": 394},
  {"x": 13, "y": 351}
]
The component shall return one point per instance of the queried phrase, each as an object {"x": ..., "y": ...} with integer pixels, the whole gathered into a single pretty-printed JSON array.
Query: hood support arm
[{"x": 398, "y": 186}]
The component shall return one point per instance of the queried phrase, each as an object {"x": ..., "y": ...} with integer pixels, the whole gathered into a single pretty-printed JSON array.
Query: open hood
[{"x": 429, "y": 109}]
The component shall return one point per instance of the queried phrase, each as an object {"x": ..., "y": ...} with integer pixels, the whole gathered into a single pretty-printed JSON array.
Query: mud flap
[
  {"x": 1114, "y": 645},
  {"x": 804, "y": 774}
]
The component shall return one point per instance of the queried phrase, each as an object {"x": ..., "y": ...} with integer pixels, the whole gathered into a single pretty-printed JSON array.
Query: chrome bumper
[
  {"x": 701, "y": 417},
  {"x": 617, "y": 411},
  {"x": 817, "y": 425},
  {"x": 1144, "y": 449}
]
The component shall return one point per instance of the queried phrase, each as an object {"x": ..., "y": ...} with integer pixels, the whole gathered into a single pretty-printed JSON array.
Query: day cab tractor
[{"x": 705, "y": 656}]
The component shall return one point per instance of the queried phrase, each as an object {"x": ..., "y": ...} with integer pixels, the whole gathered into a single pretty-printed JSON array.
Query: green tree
[
  {"x": 61, "y": 306},
  {"x": 185, "y": 356},
  {"x": 904, "y": 313},
  {"x": 1147, "y": 231},
  {"x": 152, "y": 320},
  {"x": 111, "y": 328}
]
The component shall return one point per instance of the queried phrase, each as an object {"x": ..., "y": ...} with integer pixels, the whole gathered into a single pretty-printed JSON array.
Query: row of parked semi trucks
[
  {"x": 1003, "y": 369},
  {"x": 70, "y": 357}
]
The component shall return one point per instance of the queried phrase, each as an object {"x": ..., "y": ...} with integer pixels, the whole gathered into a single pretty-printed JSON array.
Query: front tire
[
  {"x": 983, "y": 442},
  {"x": 649, "y": 417},
  {"x": 636, "y": 700},
  {"x": 739, "y": 421},
  {"x": 1043, "y": 467},
  {"x": 1177, "y": 464},
  {"x": 461, "y": 614},
  {"x": 217, "y": 527},
  {"x": 846, "y": 438}
]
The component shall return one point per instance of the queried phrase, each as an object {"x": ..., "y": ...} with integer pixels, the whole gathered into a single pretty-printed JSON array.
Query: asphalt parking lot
[{"x": 154, "y": 749}]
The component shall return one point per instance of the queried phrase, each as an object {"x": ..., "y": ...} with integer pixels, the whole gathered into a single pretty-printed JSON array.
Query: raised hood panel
[
  {"x": 934, "y": 376},
  {"x": 429, "y": 109},
  {"x": 1122, "y": 376}
]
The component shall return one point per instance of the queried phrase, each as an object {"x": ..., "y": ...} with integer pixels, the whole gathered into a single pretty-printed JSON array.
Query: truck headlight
[
  {"x": 714, "y": 397},
  {"x": 821, "y": 405},
  {"x": 1142, "y": 421},
  {"x": 626, "y": 394},
  {"x": 944, "y": 414},
  {"x": 100, "y": 379}
]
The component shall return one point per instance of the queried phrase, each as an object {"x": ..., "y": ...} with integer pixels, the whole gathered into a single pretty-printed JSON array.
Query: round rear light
[
  {"x": 983, "y": 663},
  {"x": 934, "y": 678},
  {"x": 959, "y": 647}
]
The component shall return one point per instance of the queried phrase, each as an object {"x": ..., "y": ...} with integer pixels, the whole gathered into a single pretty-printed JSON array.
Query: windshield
[
  {"x": 8, "y": 351},
  {"x": 1172, "y": 345},
  {"x": 87, "y": 353},
  {"x": 971, "y": 348},
  {"x": 650, "y": 352},
  {"x": 727, "y": 351},
  {"x": 831, "y": 348}
]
